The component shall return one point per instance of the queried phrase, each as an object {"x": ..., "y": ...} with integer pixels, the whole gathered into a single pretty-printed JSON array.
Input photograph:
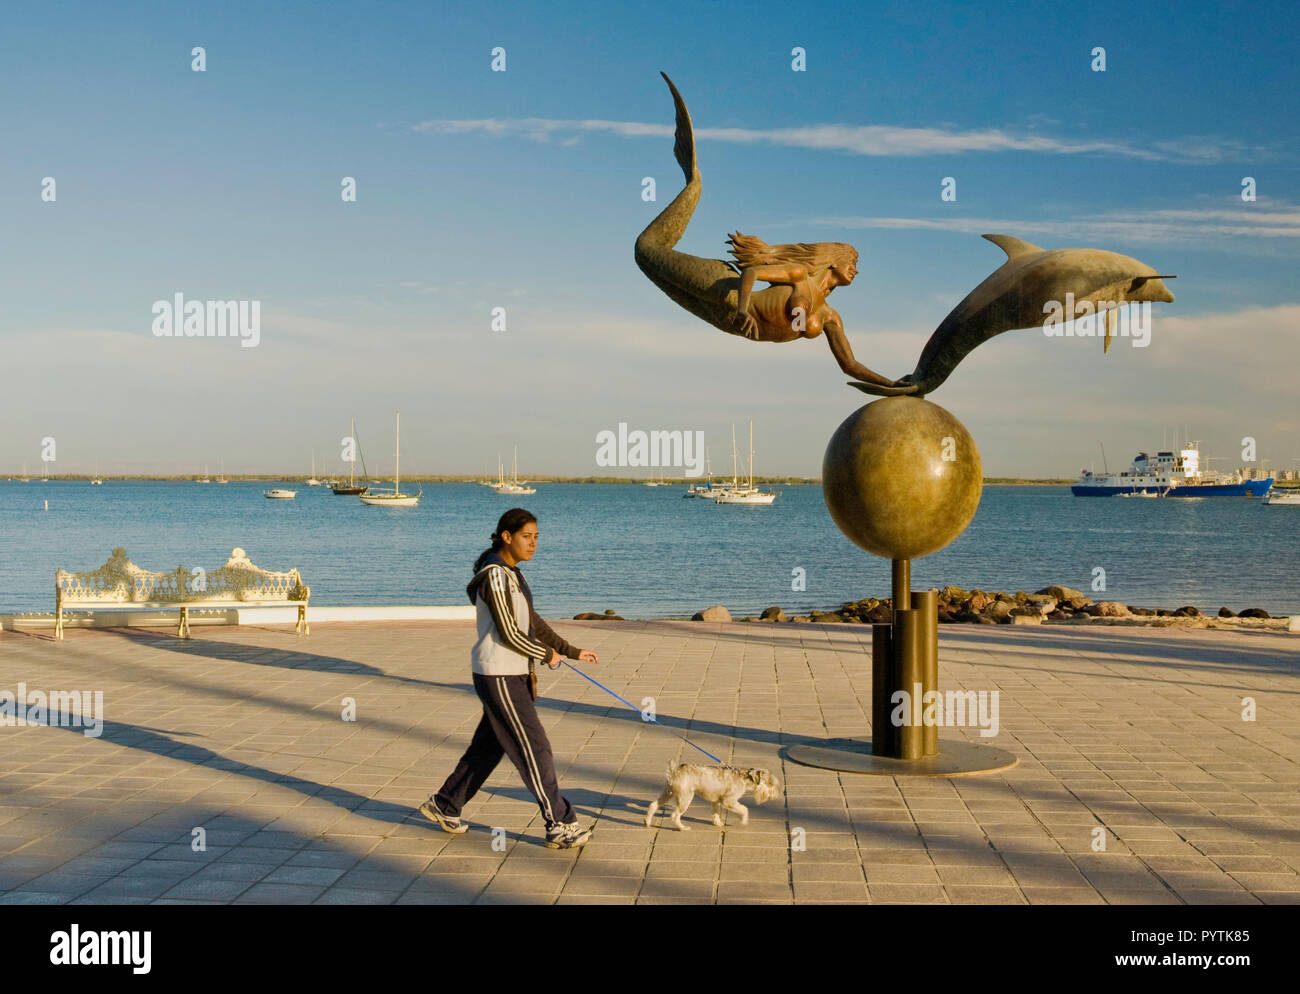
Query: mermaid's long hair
[{"x": 750, "y": 250}]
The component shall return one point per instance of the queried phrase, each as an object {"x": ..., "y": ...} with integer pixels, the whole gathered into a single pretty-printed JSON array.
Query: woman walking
[{"x": 512, "y": 638}]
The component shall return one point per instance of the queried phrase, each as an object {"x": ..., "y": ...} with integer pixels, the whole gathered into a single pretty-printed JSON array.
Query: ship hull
[{"x": 1247, "y": 488}]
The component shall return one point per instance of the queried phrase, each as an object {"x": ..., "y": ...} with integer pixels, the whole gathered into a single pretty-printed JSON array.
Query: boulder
[
  {"x": 1186, "y": 611},
  {"x": 1042, "y": 603},
  {"x": 715, "y": 613},
  {"x": 1076, "y": 599},
  {"x": 1145, "y": 612},
  {"x": 1031, "y": 618},
  {"x": 953, "y": 595},
  {"x": 1253, "y": 612},
  {"x": 1108, "y": 609},
  {"x": 1227, "y": 613},
  {"x": 609, "y": 615},
  {"x": 881, "y": 614},
  {"x": 1293, "y": 623},
  {"x": 977, "y": 602},
  {"x": 947, "y": 613},
  {"x": 773, "y": 614},
  {"x": 999, "y": 611}
]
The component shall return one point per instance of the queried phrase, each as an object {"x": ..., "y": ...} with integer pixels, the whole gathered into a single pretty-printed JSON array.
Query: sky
[{"x": 522, "y": 190}]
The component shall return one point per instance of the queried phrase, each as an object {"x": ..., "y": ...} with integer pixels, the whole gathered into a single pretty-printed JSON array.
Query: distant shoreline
[
  {"x": 788, "y": 481},
  {"x": 784, "y": 481}
]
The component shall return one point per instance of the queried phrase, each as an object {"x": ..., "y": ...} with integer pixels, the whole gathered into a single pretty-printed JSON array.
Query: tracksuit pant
[{"x": 509, "y": 727}]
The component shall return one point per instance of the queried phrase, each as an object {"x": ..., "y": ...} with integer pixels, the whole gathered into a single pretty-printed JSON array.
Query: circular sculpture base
[{"x": 957, "y": 758}]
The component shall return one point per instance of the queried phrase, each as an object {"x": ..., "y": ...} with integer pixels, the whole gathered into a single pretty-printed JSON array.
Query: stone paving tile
[
  {"x": 968, "y": 894},
  {"x": 297, "y": 809},
  {"x": 907, "y": 893}
]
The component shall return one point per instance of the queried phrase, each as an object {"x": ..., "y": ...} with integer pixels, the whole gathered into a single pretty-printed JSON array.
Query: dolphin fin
[
  {"x": 1111, "y": 316},
  {"x": 1013, "y": 247}
]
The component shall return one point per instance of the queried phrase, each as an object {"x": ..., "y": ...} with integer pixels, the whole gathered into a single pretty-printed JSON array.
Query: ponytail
[{"x": 511, "y": 522}]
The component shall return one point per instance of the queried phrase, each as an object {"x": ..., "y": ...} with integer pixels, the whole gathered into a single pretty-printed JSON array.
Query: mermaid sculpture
[
  {"x": 802, "y": 276},
  {"x": 1031, "y": 283}
]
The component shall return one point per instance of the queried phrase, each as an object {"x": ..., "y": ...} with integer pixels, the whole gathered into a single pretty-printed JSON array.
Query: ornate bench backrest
[
  {"x": 240, "y": 580},
  {"x": 120, "y": 580}
]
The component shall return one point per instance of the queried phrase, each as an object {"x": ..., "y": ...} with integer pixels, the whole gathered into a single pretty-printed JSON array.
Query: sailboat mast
[
  {"x": 751, "y": 453},
  {"x": 352, "y": 466},
  {"x": 735, "y": 482},
  {"x": 397, "y": 458}
]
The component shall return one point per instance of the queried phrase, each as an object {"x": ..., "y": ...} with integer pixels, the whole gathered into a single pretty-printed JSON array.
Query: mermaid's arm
[
  {"x": 787, "y": 274},
  {"x": 843, "y": 353}
]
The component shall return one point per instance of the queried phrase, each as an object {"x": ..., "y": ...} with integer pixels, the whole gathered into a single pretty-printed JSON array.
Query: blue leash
[{"x": 642, "y": 713}]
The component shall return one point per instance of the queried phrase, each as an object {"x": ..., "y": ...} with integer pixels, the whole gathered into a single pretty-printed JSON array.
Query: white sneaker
[
  {"x": 567, "y": 836},
  {"x": 447, "y": 823}
]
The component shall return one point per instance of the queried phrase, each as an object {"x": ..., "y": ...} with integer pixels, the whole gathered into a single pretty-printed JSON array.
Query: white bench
[{"x": 120, "y": 585}]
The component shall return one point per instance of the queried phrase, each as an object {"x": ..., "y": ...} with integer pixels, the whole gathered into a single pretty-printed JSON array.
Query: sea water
[{"x": 646, "y": 552}]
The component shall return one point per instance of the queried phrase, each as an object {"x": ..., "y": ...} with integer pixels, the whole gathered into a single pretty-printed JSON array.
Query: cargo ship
[{"x": 1170, "y": 474}]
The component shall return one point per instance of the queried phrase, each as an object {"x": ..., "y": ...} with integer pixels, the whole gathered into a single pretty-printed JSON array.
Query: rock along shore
[{"x": 1050, "y": 605}]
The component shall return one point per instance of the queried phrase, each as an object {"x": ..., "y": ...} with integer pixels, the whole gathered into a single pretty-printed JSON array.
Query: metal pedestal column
[{"x": 905, "y": 657}]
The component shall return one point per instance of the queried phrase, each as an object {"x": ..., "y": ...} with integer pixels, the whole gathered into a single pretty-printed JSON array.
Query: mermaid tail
[{"x": 708, "y": 288}]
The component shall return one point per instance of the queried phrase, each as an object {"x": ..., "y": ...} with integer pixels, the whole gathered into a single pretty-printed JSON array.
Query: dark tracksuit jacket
[{"x": 510, "y": 635}]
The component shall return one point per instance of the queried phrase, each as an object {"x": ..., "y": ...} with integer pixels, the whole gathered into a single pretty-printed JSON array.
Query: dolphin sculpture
[{"x": 1029, "y": 286}]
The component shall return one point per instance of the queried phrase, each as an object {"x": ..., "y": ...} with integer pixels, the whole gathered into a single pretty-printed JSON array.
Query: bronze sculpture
[
  {"x": 901, "y": 477},
  {"x": 1019, "y": 294},
  {"x": 802, "y": 276}
]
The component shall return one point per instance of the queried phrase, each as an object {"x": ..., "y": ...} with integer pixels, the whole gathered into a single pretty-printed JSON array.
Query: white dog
[{"x": 722, "y": 786}]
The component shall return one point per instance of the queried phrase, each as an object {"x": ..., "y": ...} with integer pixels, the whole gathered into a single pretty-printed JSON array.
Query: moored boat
[
  {"x": 1283, "y": 498},
  {"x": 396, "y": 498},
  {"x": 1169, "y": 474},
  {"x": 352, "y": 488}
]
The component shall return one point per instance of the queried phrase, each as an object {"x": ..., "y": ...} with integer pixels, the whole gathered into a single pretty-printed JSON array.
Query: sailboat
[
  {"x": 396, "y": 498},
  {"x": 749, "y": 494},
  {"x": 96, "y": 480},
  {"x": 221, "y": 477},
  {"x": 45, "y": 471},
  {"x": 205, "y": 479},
  {"x": 312, "y": 481},
  {"x": 711, "y": 489},
  {"x": 514, "y": 486},
  {"x": 25, "y": 478},
  {"x": 352, "y": 488}
]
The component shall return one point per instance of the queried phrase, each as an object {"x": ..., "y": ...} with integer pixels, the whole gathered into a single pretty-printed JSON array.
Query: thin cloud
[
  {"x": 869, "y": 140},
  {"x": 1147, "y": 226}
]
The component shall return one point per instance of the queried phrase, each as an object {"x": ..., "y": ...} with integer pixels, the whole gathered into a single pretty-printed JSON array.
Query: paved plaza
[{"x": 1134, "y": 739}]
